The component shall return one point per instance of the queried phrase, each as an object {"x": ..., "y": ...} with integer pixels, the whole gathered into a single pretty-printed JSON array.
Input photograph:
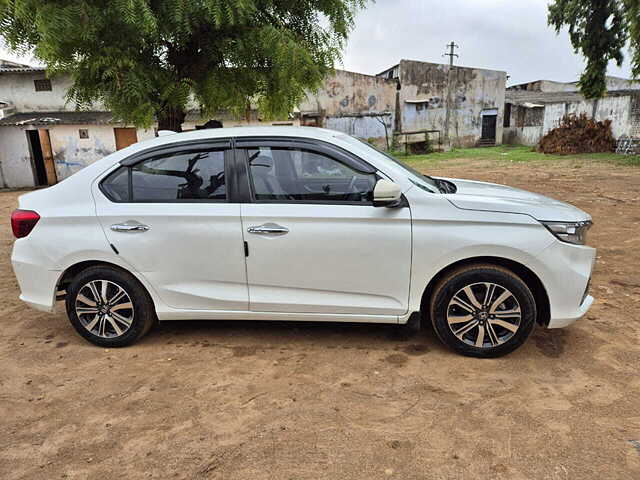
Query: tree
[
  {"x": 599, "y": 29},
  {"x": 144, "y": 59}
]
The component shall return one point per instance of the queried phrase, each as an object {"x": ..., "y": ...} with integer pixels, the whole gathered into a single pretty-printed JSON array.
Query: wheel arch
[
  {"x": 70, "y": 272},
  {"x": 526, "y": 274}
]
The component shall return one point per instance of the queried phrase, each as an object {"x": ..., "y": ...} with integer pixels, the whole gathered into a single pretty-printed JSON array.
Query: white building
[{"x": 43, "y": 138}]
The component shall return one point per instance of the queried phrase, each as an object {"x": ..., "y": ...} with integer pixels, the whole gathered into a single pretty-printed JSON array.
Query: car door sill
[{"x": 275, "y": 316}]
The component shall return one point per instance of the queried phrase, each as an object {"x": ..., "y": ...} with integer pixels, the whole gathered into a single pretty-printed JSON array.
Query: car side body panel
[
  {"x": 441, "y": 237},
  {"x": 341, "y": 259},
  {"x": 193, "y": 252}
]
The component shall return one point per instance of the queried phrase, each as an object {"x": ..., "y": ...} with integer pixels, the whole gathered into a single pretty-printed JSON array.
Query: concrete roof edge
[{"x": 455, "y": 66}]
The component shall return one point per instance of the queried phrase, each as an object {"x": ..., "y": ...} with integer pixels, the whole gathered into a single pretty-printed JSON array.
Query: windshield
[{"x": 423, "y": 181}]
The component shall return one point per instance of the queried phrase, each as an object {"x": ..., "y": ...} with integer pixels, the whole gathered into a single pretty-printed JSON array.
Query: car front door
[
  {"x": 168, "y": 215},
  {"x": 316, "y": 243}
]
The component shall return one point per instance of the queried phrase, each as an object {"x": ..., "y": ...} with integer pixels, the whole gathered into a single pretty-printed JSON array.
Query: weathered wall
[
  {"x": 473, "y": 90},
  {"x": 361, "y": 127},
  {"x": 529, "y": 136},
  {"x": 72, "y": 153},
  {"x": 550, "y": 86},
  {"x": 553, "y": 113},
  {"x": 15, "y": 158},
  {"x": 352, "y": 103},
  {"x": 618, "y": 109},
  {"x": 350, "y": 93}
]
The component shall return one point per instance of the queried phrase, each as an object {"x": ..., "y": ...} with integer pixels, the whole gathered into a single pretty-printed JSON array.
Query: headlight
[{"x": 570, "y": 232}]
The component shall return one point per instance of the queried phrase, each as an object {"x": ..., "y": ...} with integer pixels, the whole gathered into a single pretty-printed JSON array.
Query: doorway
[
  {"x": 489, "y": 127},
  {"x": 44, "y": 169},
  {"x": 125, "y": 137}
]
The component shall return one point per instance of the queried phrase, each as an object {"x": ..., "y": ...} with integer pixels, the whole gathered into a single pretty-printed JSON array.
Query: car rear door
[
  {"x": 316, "y": 243},
  {"x": 167, "y": 213}
]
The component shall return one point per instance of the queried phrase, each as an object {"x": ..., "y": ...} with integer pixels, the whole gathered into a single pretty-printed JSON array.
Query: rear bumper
[{"x": 37, "y": 285}]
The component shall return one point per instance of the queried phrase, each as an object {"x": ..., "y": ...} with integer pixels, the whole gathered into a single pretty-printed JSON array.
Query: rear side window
[
  {"x": 191, "y": 176},
  {"x": 116, "y": 185}
]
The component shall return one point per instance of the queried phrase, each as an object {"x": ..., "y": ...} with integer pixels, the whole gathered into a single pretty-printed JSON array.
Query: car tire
[
  {"x": 109, "y": 307},
  {"x": 482, "y": 310}
]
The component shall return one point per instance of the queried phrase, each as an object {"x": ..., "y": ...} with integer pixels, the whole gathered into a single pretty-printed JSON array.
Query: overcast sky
[{"x": 509, "y": 35}]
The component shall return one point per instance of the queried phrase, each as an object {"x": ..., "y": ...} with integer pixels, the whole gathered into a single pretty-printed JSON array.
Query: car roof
[{"x": 236, "y": 132}]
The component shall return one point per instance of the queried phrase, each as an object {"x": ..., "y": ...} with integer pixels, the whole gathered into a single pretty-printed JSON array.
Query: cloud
[{"x": 509, "y": 35}]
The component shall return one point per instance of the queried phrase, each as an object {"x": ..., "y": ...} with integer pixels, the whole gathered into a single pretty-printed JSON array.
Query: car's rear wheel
[
  {"x": 483, "y": 310},
  {"x": 109, "y": 307}
]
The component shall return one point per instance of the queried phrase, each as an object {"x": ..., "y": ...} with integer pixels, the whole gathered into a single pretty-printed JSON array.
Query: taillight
[{"x": 23, "y": 221}]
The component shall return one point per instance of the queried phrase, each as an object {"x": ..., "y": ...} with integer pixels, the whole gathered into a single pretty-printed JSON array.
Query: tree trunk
[{"x": 171, "y": 118}]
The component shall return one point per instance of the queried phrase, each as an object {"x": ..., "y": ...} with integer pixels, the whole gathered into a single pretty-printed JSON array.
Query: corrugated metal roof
[
  {"x": 58, "y": 118},
  {"x": 21, "y": 69}
]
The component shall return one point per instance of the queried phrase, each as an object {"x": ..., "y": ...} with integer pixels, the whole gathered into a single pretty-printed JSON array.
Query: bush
[{"x": 578, "y": 134}]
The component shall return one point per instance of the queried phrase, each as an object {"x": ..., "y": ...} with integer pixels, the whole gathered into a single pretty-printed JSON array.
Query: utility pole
[{"x": 451, "y": 48}]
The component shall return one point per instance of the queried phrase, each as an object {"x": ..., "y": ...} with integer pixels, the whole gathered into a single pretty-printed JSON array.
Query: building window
[
  {"x": 42, "y": 85},
  {"x": 83, "y": 132}
]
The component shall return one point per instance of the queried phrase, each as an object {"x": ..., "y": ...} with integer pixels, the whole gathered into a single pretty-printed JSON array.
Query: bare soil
[{"x": 250, "y": 400}]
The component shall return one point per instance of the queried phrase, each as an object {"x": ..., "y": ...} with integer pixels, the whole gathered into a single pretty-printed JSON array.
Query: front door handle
[
  {"x": 129, "y": 227},
  {"x": 268, "y": 229}
]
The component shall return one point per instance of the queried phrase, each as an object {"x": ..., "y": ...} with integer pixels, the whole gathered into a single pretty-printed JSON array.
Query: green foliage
[
  {"x": 146, "y": 58},
  {"x": 599, "y": 29}
]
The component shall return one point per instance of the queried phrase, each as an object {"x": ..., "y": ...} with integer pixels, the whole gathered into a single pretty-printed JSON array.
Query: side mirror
[{"x": 387, "y": 194}]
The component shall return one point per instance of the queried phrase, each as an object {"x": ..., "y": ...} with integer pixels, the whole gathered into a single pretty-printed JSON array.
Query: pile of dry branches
[{"x": 578, "y": 134}]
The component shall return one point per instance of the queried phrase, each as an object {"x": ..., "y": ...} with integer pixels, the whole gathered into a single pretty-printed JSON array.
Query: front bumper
[
  {"x": 565, "y": 272},
  {"x": 580, "y": 312}
]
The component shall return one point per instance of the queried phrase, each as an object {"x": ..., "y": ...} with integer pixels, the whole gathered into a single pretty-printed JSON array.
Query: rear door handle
[
  {"x": 129, "y": 227},
  {"x": 268, "y": 229}
]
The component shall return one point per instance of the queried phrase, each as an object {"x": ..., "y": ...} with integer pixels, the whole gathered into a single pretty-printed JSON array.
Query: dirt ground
[{"x": 297, "y": 401}]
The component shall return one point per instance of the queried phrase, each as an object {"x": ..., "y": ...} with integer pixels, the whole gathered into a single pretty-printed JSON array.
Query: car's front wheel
[
  {"x": 483, "y": 310},
  {"x": 109, "y": 307}
]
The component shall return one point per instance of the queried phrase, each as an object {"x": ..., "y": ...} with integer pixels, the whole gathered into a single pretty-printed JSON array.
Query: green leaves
[
  {"x": 144, "y": 58},
  {"x": 599, "y": 30}
]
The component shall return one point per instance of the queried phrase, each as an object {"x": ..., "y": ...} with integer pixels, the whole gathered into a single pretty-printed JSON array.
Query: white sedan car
[{"x": 305, "y": 224}]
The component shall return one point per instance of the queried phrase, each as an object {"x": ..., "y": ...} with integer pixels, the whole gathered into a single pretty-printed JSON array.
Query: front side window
[
  {"x": 299, "y": 175},
  {"x": 182, "y": 176},
  {"x": 366, "y": 150}
]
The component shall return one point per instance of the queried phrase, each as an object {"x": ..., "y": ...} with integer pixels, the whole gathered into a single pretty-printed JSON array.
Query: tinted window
[
  {"x": 116, "y": 185},
  {"x": 180, "y": 176},
  {"x": 298, "y": 175}
]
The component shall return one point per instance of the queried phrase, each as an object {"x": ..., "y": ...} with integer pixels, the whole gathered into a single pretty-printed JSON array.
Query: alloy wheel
[
  {"x": 104, "y": 308},
  {"x": 484, "y": 315}
]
